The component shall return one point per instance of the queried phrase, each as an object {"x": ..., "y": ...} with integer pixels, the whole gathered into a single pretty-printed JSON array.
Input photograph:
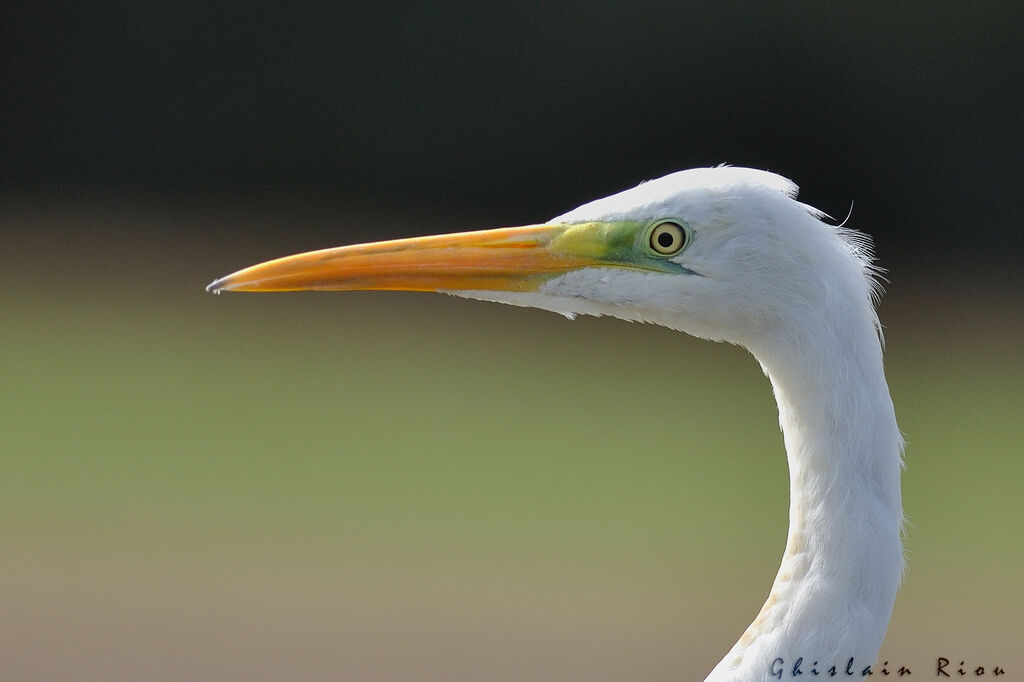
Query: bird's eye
[{"x": 668, "y": 238}]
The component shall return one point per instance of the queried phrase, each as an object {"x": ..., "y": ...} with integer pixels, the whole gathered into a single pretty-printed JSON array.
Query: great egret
[{"x": 726, "y": 254}]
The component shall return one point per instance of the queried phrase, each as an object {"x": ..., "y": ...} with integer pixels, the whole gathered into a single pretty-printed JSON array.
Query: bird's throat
[{"x": 833, "y": 595}]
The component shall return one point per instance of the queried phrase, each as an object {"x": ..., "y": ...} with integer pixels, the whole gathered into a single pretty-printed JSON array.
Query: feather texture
[{"x": 800, "y": 295}]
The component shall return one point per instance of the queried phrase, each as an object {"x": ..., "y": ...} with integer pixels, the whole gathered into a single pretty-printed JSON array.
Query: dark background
[{"x": 511, "y": 112}]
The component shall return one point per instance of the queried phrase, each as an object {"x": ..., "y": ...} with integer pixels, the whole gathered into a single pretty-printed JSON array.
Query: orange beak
[{"x": 506, "y": 259}]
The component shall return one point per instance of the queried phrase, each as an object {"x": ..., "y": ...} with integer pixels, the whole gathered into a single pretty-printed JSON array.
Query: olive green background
[{"x": 386, "y": 486}]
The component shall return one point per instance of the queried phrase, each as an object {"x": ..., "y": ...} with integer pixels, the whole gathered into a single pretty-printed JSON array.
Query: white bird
[{"x": 726, "y": 254}]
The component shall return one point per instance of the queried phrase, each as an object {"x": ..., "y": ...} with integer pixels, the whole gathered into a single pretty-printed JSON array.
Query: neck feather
[{"x": 834, "y": 592}]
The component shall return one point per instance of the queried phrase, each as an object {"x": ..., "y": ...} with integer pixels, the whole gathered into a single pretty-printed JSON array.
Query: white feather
[{"x": 800, "y": 295}]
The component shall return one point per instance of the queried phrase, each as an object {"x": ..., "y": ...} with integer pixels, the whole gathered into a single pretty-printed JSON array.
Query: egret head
[{"x": 721, "y": 253}]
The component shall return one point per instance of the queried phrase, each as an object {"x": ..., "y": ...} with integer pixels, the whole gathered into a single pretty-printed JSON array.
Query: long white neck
[{"x": 834, "y": 592}]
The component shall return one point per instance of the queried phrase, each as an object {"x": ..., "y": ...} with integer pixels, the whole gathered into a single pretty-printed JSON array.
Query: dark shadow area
[{"x": 507, "y": 113}]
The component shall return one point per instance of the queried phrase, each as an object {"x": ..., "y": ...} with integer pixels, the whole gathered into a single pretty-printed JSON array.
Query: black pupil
[{"x": 666, "y": 239}]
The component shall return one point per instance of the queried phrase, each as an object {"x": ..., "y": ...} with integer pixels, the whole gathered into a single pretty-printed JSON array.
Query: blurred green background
[{"x": 378, "y": 486}]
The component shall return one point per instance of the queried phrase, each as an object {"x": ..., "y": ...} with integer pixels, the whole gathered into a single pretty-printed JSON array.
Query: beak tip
[{"x": 216, "y": 286}]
